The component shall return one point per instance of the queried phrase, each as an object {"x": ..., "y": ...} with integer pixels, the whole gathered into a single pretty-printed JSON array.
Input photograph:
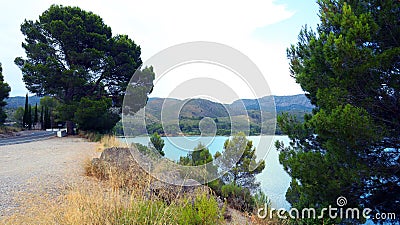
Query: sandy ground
[{"x": 44, "y": 167}]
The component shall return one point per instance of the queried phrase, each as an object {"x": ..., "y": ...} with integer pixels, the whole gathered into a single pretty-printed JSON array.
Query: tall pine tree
[
  {"x": 4, "y": 92},
  {"x": 29, "y": 117},
  {"x": 350, "y": 146},
  {"x": 42, "y": 125},
  {"x": 73, "y": 56},
  {"x": 36, "y": 116},
  {"x": 25, "y": 120}
]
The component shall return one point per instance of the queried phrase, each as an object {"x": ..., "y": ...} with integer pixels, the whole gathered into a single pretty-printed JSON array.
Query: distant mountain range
[
  {"x": 239, "y": 115},
  {"x": 258, "y": 114},
  {"x": 19, "y": 101},
  {"x": 206, "y": 108},
  {"x": 283, "y": 103}
]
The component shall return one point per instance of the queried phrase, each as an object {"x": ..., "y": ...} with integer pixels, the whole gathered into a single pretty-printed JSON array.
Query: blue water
[{"x": 274, "y": 180}]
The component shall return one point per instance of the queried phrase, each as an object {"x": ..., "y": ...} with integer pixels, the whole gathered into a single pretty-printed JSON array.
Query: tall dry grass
[
  {"x": 113, "y": 196},
  {"x": 98, "y": 203},
  {"x": 109, "y": 141}
]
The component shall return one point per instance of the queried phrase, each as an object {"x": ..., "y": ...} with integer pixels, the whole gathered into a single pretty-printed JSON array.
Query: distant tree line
[{"x": 41, "y": 116}]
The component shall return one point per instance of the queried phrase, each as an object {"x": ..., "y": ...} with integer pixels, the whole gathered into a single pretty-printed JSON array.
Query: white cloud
[{"x": 156, "y": 25}]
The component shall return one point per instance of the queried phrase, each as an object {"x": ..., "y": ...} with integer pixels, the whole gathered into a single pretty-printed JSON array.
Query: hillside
[
  {"x": 240, "y": 115},
  {"x": 206, "y": 108},
  {"x": 203, "y": 107},
  {"x": 19, "y": 101}
]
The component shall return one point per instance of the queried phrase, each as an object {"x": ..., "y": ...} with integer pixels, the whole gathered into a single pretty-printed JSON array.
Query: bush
[
  {"x": 95, "y": 115},
  {"x": 8, "y": 129},
  {"x": 203, "y": 209},
  {"x": 216, "y": 186},
  {"x": 91, "y": 135},
  {"x": 261, "y": 200},
  {"x": 146, "y": 212},
  {"x": 238, "y": 197},
  {"x": 158, "y": 143}
]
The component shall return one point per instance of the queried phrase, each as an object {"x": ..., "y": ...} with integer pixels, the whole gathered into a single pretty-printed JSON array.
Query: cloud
[{"x": 156, "y": 25}]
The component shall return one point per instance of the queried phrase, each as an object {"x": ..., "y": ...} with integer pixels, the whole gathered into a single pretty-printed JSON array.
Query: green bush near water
[{"x": 202, "y": 209}]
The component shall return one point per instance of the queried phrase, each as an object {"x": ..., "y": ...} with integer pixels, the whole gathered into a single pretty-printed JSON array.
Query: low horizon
[{"x": 183, "y": 99}]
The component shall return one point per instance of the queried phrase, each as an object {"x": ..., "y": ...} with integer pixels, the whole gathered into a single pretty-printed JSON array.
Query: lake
[{"x": 274, "y": 180}]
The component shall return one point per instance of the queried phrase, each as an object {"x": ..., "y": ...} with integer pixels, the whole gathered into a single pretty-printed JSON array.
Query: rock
[
  {"x": 122, "y": 160},
  {"x": 118, "y": 157}
]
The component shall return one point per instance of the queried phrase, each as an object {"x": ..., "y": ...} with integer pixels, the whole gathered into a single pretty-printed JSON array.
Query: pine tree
[
  {"x": 46, "y": 118},
  {"x": 158, "y": 143},
  {"x": 239, "y": 159},
  {"x": 36, "y": 117},
  {"x": 349, "y": 69},
  {"x": 73, "y": 56},
  {"x": 4, "y": 92},
  {"x": 42, "y": 125},
  {"x": 29, "y": 117},
  {"x": 25, "y": 118}
]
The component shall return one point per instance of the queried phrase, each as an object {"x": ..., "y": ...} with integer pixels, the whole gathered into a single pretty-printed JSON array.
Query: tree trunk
[{"x": 70, "y": 127}]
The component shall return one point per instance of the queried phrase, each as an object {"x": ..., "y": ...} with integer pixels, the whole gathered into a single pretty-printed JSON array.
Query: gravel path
[{"x": 42, "y": 167}]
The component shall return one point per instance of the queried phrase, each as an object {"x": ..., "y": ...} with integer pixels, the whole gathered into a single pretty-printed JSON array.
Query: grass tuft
[{"x": 114, "y": 196}]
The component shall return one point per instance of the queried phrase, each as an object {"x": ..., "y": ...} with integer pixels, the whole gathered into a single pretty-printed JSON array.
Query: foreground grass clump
[
  {"x": 91, "y": 136},
  {"x": 113, "y": 196},
  {"x": 109, "y": 141},
  {"x": 9, "y": 129},
  {"x": 101, "y": 204},
  {"x": 168, "y": 205},
  {"x": 104, "y": 140}
]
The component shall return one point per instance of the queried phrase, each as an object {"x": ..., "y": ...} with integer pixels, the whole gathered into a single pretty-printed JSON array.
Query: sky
[{"x": 260, "y": 29}]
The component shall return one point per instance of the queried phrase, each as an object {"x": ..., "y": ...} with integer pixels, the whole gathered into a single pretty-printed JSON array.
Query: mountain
[
  {"x": 195, "y": 108},
  {"x": 188, "y": 108},
  {"x": 186, "y": 116},
  {"x": 293, "y": 102},
  {"x": 203, "y": 107},
  {"x": 19, "y": 101}
]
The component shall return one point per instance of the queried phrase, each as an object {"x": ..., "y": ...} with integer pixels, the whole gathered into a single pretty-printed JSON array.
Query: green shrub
[
  {"x": 216, "y": 186},
  {"x": 95, "y": 115},
  {"x": 201, "y": 210},
  {"x": 238, "y": 197},
  {"x": 261, "y": 200},
  {"x": 147, "y": 212},
  {"x": 91, "y": 135},
  {"x": 158, "y": 143}
]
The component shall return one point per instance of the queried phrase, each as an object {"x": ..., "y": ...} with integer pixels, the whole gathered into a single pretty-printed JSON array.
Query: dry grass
[
  {"x": 100, "y": 203},
  {"x": 117, "y": 197},
  {"x": 136, "y": 179},
  {"x": 108, "y": 141},
  {"x": 91, "y": 205},
  {"x": 112, "y": 196},
  {"x": 9, "y": 129},
  {"x": 85, "y": 205}
]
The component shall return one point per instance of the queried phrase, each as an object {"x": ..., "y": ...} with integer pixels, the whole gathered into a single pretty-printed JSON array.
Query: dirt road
[{"x": 42, "y": 167}]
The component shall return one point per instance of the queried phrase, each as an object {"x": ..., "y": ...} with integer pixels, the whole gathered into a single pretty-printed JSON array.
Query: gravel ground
[{"x": 44, "y": 167}]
